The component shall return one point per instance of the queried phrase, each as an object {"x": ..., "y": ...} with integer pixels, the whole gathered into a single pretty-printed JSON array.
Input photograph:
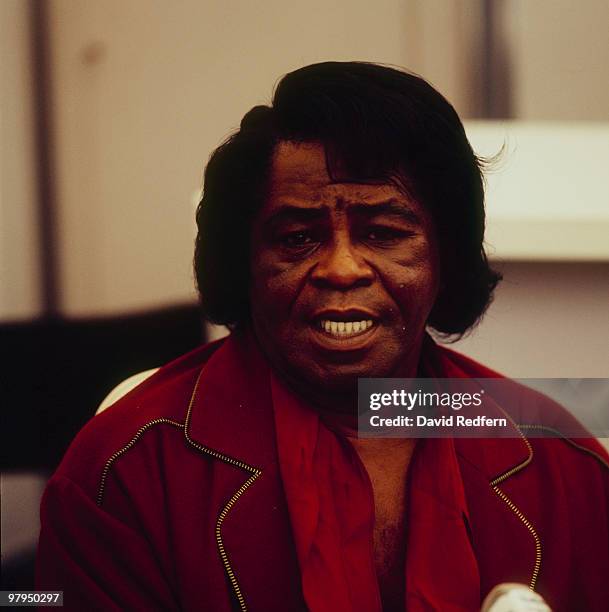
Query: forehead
[{"x": 299, "y": 170}]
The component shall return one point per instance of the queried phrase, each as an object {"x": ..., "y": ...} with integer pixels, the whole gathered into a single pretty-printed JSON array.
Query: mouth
[{"x": 344, "y": 329}]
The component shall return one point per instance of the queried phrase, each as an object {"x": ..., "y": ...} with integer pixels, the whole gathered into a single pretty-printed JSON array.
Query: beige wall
[
  {"x": 548, "y": 321},
  {"x": 443, "y": 44},
  {"x": 551, "y": 57},
  {"x": 19, "y": 280},
  {"x": 560, "y": 58}
]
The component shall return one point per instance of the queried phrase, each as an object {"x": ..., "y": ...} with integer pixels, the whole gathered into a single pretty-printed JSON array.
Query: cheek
[
  {"x": 273, "y": 289},
  {"x": 413, "y": 285},
  {"x": 424, "y": 268},
  {"x": 419, "y": 290}
]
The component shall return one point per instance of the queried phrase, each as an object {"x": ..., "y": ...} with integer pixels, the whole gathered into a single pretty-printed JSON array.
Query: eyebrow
[
  {"x": 288, "y": 212},
  {"x": 392, "y": 208}
]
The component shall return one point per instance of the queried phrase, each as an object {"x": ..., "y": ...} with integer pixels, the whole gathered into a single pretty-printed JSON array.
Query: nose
[{"x": 341, "y": 267}]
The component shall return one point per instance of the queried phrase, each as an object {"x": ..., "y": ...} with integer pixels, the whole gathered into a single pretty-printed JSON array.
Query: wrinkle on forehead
[
  {"x": 298, "y": 163},
  {"x": 299, "y": 170}
]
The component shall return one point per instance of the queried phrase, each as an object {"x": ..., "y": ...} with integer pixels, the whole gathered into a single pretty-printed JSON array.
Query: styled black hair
[{"x": 375, "y": 122}]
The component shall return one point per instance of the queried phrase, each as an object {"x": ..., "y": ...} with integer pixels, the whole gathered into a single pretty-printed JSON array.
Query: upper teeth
[{"x": 342, "y": 328}]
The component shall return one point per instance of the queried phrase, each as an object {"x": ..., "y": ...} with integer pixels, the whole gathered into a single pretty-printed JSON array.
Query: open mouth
[{"x": 345, "y": 329}]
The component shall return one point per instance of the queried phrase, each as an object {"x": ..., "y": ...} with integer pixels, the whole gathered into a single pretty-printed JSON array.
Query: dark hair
[{"x": 375, "y": 122}]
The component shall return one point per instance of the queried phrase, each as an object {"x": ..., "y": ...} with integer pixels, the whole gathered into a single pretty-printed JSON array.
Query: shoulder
[
  {"x": 159, "y": 404},
  {"x": 575, "y": 449},
  {"x": 570, "y": 459}
]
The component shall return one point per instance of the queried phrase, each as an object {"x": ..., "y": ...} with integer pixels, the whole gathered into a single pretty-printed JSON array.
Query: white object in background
[
  {"x": 548, "y": 197},
  {"x": 124, "y": 387},
  {"x": 512, "y": 597}
]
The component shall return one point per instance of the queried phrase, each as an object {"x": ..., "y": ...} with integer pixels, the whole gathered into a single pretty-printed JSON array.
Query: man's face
[{"x": 343, "y": 274}]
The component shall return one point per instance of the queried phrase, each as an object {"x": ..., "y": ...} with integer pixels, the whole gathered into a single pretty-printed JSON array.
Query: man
[{"x": 336, "y": 226}]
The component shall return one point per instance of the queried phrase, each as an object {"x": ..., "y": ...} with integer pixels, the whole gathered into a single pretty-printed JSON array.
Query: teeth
[{"x": 345, "y": 328}]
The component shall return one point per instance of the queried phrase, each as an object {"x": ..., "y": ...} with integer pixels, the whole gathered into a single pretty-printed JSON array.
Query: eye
[
  {"x": 378, "y": 234},
  {"x": 296, "y": 240}
]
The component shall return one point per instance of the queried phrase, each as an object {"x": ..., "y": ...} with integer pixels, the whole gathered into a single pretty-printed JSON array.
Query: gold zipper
[
  {"x": 521, "y": 465},
  {"x": 569, "y": 441},
  {"x": 231, "y": 502},
  {"x": 223, "y": 555},
  {"x": 512, "y": 506},
  {"x": 124, "y": 449},
  {"x": 255, "y": 473}
]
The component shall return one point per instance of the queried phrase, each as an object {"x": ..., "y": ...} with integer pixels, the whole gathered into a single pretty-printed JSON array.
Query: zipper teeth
[
  {"x": 512, "y": 506},
  {"x": 255, "y": 473},
  {"x": 231, "y": 502},
  {"x": 568, "y": 440},
  {"x": 124, "y": 449},
  {"x": 517, "y": 468},
  {"x": 221, "y": 549},
  {"x": 520, "y": 466}
]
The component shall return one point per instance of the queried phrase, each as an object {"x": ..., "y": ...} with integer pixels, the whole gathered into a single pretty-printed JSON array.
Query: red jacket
[{"x": 172, "y": 499}]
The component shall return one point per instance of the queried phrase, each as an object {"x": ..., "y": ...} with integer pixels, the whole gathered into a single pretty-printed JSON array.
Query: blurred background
[{"x": 110, "y": 109}]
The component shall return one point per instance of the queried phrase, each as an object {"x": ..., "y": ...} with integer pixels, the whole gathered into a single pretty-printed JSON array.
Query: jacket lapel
[
  {"x": 506, "y": 543},
  {"x": 230, "y": 418}
]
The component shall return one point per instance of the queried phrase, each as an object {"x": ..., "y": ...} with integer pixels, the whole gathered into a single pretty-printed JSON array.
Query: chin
[
  {"x": 334, "y": 379},
  {"x": 319, "y": 372}
]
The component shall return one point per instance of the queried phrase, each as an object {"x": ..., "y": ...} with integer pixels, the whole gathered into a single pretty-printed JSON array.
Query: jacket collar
[
  {"x": 230, "y": 418},
  {"x": 230, "y": 410},
  {"x": 495, "y": 458}
]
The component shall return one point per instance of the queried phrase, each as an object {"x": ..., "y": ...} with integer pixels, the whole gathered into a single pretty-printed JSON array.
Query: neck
[{"x": 344, "y": 425}]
